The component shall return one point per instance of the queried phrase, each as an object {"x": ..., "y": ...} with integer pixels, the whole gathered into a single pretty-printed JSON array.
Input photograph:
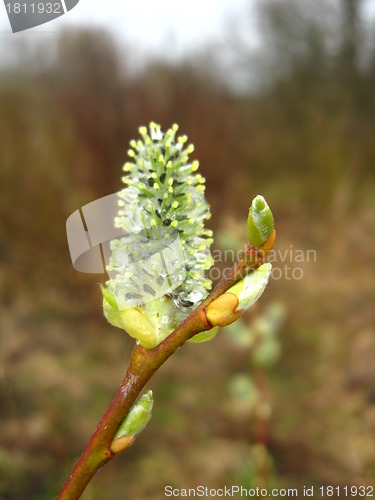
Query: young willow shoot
[{"x": 157, "y": 291}]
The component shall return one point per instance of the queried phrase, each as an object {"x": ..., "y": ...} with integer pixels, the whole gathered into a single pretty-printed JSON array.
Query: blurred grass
[{"x": 305, "y": 141}]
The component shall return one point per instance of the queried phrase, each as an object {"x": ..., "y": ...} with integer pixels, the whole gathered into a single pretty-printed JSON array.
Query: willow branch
[{"x": 143, "y": 364}]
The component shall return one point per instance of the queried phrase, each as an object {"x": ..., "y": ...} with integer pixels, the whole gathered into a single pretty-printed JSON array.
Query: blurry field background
[{"x": 292, "y": 118}]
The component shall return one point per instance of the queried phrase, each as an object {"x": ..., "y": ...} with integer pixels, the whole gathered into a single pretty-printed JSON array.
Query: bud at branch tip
[{"x": 260, "y": 222}]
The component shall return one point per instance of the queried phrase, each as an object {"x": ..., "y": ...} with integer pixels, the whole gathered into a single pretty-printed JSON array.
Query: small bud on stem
[
  {"x": 228, "y": 307},
  {"x": 134, "y": 423},
  {"x": 260, "y": 222}
]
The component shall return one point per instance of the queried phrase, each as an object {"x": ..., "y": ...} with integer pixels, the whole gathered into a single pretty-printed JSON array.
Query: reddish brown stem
[{"x": 143, "y": 364}]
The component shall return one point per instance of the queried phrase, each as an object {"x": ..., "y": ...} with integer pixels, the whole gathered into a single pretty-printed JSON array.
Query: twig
[{"x": 143, "y": 364}]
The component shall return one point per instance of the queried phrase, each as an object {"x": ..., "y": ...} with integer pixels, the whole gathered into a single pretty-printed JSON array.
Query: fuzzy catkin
[{"x": 159, "y": 265}]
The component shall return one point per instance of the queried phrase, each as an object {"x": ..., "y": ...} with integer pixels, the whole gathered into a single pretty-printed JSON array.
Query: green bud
[
  {"x": 204, "y": 336},
  {"x": 252, "y": 286},
  {"x": 260, "y": 222},
  {"x": 228, "y": 307},
  {"x": 137, "y": 417}
]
